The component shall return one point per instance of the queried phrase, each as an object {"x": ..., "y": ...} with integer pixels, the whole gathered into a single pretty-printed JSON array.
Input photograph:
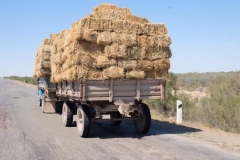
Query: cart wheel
[
  {"x": 67, "y": 115},
  {"x": 83, "y": 121},
  {"x": 115, "y": 115},
  {"x": 142, "y": 122}
]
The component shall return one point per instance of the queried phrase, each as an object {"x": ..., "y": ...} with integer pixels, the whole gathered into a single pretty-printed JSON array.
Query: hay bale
[
  {"x": 67, "y": 64},
  {"x": 94, "y": 73},
  {"x": 103, "y": 62},
  {"x": 118, "y": 26},
  {"x": 162, "y": 40},
  {"x": 127, "y": 39},
  {"x": 137, "y": 19},
  {"x": 81, "y": 71},
  {"x": 113, "y": 73},
  {"x": 162, "y": 64},
  {"x": 93, "y": 49},
  {"x": 106, "y": 25},
  {"x": 110, "y": 7},
  {"x": 106, "y": 38},
  {"x": 75, "y": 73},
  {"x": 127, "y": 64},
  {"x": 56, "y": 58},
  {"x": 134, "y": 74},
  {"x": 160, "y": 29},
  {"x": 116, "y": 51},
  {"x": 108, "y": 11},
  {"x": 88, "y": 35},
  {"x": 157, "y": 74},
  {"x": 162, "y": 74},
  {"x": 158, "y": 52},
  {"x": 133, "y": 52},
  {"x": 45, "y": 64},
  {"x": 145, "y": 65},
  {"x": 87, "y": 60}
]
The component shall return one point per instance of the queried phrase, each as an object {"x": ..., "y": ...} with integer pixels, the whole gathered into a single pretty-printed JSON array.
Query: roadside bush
[{"x": 222, "y": 108}]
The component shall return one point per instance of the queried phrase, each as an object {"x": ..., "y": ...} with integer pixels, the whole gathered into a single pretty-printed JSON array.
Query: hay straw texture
[
  {"x": 109, "y": 43},
  {"x": 42, "y": 66}
]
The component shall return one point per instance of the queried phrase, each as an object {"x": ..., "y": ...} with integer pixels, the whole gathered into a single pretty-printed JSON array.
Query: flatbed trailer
[{"x": 90, "y": 99}]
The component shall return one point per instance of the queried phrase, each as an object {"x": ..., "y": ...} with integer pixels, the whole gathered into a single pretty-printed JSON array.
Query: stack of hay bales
[
  {"x": 42, "y": 66},
  {"x": 110, "y": 43}
]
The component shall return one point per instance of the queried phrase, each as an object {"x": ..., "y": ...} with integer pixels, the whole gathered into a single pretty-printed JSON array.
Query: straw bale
[
  {"x": 137, "y": 19},
  {"x": 118, "y": 26},
  {"x": 82, "y": 72},
  {"x": 148, "y": 29},
  {"x": 160, "y": 29},
  {"x": 45, "y": 64},
  {"x": 146, "y": 41},
  {"x": 162, "y": 64},
  {"x": 113, "y": 73},
  {"x": 68, "y": 64},
  {"x": 116, "y": 51},
  {"x": 162, "y": 74},
  {"x": 87, "y": 60},
  {"x": 90, "y": 23},
  {"x": 162, "y": 40},
  {"x": 145, "y": 65},
  {"x": 158, "y": 52},
  {"x": 127, "y": 64},
  {"x": 75, "y": 58},
  {"x": 67, "y": 37},
  {"x": 90, "y": 48},
  {"x": 106, "y": 25},
  {"x": 106, "y": 38},
  {"x": 54, "y": 49},
  {"x": 94, "y": 73},
  {"x": 108, "y": 11},
  {"x": 133, "y": 52},
  {"x": 109, "y": 7},
  {"x": 75, "y": 72},
  {"x": 134, "y": 74},
  {"x": 47, "y": 41},
  {"x": 88, "y": 35},
  {"x": 42, "y": 72},
  {"x": 56, "y": 69},
  {"x": 56, "y": 58},
  {"x": 103, "y": 62},
  {"x": 127, "y": 39},
  {"x": 44, "y": 55}
]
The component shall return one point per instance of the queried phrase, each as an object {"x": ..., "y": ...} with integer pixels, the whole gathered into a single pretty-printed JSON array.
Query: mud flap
[{"x": 49, "y": 106}]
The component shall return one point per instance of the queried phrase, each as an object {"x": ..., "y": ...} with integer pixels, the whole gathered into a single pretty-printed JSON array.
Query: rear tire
[
  {"x": 83, "y": 121},
  {"x": 115, "y": 115},
  {"x": 142, "y": 123},
  {"x": 40, "y": 102},
  {"x": 67, "y": 115}
]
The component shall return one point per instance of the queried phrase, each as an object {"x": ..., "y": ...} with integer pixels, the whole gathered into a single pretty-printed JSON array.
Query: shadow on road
[{"x": 105, "y": 130}]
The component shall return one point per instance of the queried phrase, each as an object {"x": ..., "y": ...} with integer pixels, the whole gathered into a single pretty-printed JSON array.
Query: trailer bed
[{"x": 111, "y": 90}]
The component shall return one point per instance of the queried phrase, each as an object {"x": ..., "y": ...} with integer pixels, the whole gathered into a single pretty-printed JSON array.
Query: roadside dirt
[{"x": 216, "y": 137}]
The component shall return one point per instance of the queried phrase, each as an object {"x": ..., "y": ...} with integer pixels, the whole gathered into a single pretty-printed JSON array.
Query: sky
[{"x": 205, "y": 33}]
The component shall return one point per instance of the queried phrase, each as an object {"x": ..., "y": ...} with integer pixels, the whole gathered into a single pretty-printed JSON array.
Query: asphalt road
[{"x": 27, "y": 133}]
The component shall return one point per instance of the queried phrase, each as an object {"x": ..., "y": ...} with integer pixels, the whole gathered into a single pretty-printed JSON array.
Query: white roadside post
[{"x": 179, "y": 112}]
